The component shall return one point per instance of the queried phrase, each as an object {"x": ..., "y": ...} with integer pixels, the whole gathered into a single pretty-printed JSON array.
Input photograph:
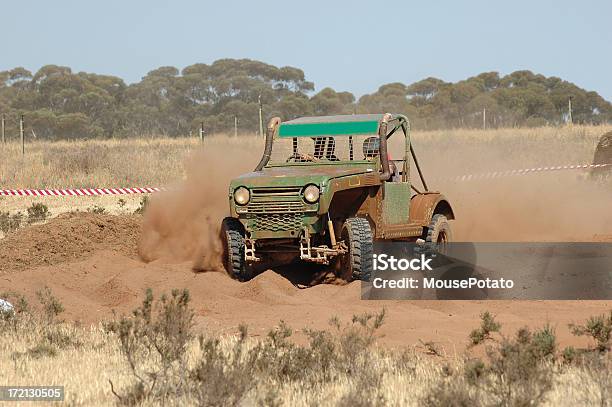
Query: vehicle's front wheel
[
  {"x": 232, "y": 238},
  {"x": 357, "y": 264}
]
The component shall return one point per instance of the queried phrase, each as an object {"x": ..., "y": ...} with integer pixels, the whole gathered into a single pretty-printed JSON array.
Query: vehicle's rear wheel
[
  {"x": 439, "y": 233},
  {"x": 357, "y": 264},
  {"x": 232, "y": 238}
]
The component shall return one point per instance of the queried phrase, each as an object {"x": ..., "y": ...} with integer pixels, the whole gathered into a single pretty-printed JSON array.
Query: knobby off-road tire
[
  {"x": 232, "y": 238},
  {"x": 439, "y": 234},
  {"x": 357, "y": 264}
]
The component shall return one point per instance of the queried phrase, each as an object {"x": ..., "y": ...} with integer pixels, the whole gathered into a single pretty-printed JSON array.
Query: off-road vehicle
[
  {"x": 602, "y": 159},
  {"x": 325, "y": 189}
]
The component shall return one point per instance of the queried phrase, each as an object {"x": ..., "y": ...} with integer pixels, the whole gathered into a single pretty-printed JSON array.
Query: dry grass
[
  {"x": 159, "y": 161},
  {"x": 340, "y": 366},
  {"x": 101, "y": 163},
  {"x": 477, "y": 151}
]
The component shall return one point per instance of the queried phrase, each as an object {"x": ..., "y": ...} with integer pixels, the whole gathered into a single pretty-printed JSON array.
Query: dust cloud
[
  {"x": 563, "y": 206},
  {"x": 182, "y": 223},
  {"x": 560, "y": 207}
]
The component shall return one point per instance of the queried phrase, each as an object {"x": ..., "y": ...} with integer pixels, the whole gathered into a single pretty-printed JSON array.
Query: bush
[
  {"x": 223, "y": 377},
  {"x": 38, "y": 212},
  {"x": 154, "y": 342},
  {"x": 142, "y": 206},
  {"x": 519, "y": 371},
  {"x": 599, "y": 328},
  {"x": 51, "y": 306},
  {"x": 155, "y": 338},
  {"x": 97, "y": 209},
  {"x": 49, "y": 334},
  {"x": 10, "y": 223},
  {"x": 488, "y": 325},
  {"x": 516, "y": 372}
]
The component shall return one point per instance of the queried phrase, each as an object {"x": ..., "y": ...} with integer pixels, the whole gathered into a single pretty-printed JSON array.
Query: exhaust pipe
[
  {"x": 272, "y": 125},
  {"x": 384, "y": 158}
]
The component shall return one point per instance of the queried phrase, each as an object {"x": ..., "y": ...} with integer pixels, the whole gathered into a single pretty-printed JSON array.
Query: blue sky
[{"x": 348, "y": 45}]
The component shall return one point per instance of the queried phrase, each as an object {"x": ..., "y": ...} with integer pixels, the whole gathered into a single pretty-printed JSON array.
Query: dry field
[
  {"x": 100, "y": 264},
  {"x": 156, "y": 357}
]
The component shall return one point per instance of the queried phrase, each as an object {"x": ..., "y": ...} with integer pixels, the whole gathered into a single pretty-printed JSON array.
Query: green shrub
[
  {"x": 223, "y": 377},
  {"x": 142, "y": 206},
  {"x": 488, "y": 325},
  {"x": 51, "y": 306},
  {"x": 10, "y": 223},
  {"x": 97, "y": 209},
  {"x": 599, "y": 328},
  {"x": 157, "y": 331},
  {"x": 154, "y": 339},
  {"x": 516, "y": 372},
  {"x": 38, "y": 212}
]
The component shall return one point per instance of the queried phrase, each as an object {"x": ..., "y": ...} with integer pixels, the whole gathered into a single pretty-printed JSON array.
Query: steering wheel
[{"x": 301, "y": 157}]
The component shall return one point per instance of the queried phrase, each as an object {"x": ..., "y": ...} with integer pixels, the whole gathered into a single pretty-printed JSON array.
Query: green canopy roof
[{"x": 341, "y": 125}]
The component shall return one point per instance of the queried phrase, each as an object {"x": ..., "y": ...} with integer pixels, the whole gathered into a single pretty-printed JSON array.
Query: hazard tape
[
  {"x": 77, "y": 191},
  {"x": 510, "y": 173},
  {"x": 148, "y": 190}
]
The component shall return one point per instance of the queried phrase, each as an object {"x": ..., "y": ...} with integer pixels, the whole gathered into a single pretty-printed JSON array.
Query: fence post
[
  {"x": 484, "y": 118},
  {"x": 22, "y": 134},
  {"x": 201, "y": 131},
  {"x": 3, "y": 136},
  {"x": 261, "y": 133},
  {"x": 235, "y": 126}
]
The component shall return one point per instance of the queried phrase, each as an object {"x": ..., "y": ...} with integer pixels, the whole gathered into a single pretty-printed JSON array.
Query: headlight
[
  {"x": 242, "y": 196},
  {"x": 311, "y": 193}
]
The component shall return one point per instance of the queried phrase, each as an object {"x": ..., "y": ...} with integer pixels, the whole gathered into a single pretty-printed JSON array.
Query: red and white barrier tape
[
  {"x": 510, "y": 173},
  {"x": 148, "y": 190},
  {"x": 77, "y": 191}
]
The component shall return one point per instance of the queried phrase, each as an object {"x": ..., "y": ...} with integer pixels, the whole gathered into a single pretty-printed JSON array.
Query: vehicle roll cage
[{"x": 397, "y": 121}]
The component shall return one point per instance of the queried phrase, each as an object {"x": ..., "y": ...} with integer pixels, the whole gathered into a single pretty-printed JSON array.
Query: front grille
[
  {"x": 278, "y": 222},
  {"x": 262, "y": 194},
  {"x": 275, "y": 207},
  {"x": 276, "y": 200}
]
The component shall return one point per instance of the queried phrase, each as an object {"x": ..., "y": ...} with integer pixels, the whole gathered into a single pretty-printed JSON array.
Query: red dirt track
[
  {"x": 90, "y": 262},
  {"x": 97, "y": 264}
]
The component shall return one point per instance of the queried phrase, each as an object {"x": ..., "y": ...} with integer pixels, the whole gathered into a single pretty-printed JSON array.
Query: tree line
[{"x": 61, "y": 104}]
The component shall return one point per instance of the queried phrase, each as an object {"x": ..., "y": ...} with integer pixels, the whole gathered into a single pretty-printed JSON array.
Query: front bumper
[{"x": 280, "y": 225}]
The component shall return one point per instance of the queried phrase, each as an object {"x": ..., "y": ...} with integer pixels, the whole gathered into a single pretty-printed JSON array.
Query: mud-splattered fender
[{"x": 424, "y": 206}]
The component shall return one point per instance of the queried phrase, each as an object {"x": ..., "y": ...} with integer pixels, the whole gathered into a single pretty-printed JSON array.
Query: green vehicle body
[{"x": 279, "y": 220}]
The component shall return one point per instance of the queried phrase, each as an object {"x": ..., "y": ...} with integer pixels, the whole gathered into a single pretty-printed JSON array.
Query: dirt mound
[
  {"x": 67, "y": 238},
  {"x": 267, "y": 288}
]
